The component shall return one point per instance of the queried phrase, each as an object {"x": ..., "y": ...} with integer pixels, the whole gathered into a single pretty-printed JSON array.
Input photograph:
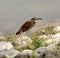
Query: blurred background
[{"x": 13, "y": 13}]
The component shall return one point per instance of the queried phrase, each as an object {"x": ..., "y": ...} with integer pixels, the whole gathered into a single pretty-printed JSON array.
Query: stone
[
  {"x": 39, "y": 52},
  {"x": 43, "y": 36},
  {"x": 9, "y": 53},
  {"x": 23, "y": 41},
  {"x": 3, "y": 56},
  {"x": 51, "y": 54},
  {"x": 45, "y": 53},
  {"x": 27, "y": 52},
  {"x": 22, "y": 56},
  {"x": 5, "y": 45},
  {"x": 56, "y": 29}
]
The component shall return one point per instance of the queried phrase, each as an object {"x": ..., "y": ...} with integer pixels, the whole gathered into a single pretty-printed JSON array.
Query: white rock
[
  {"x": 9, "y": 53},
  {"x": 24, "y": 40},
  {"x": 53, "y": 39},
  {"x": 27, "y": 52},
  {"x": 2, "y": 37},
  {"x": 43, "y": 36},
  {"x": 49, "y": 41},
  {"x": 43, "y": 30},
  {"x": 52, "y": 47},
  {"x": 5, "y": 45},
  {"x": 56, "y": 37},
  {"x": 39, "y": 51},
  {"x": 56, "y": 29}
]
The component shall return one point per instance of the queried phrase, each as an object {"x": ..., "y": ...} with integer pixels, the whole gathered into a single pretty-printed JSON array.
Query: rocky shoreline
[{"x": 41, "y": 44}]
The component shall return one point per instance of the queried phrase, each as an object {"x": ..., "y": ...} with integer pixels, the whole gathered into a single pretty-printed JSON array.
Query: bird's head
[{"x": 34, "y": 19}]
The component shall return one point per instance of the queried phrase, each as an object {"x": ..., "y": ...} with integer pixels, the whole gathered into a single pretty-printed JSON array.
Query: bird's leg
[
  {"x": 19, "y": 34},
  {"x": 28, "y": 31},
  {"x": 17, "y": 37}
]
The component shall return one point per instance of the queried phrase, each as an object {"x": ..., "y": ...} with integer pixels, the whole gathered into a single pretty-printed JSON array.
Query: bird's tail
[{"x": 18, "y": 32}]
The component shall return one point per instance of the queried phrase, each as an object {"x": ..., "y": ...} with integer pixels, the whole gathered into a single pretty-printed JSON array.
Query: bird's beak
[{"x": 38, "y": 18}]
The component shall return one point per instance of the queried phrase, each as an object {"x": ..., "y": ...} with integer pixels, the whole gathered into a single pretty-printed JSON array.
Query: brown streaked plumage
[{"x": 27, "y": 25}]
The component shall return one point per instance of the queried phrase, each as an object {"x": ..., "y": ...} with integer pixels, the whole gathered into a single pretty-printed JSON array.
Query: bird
[{"x": 27, "y": 25}]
